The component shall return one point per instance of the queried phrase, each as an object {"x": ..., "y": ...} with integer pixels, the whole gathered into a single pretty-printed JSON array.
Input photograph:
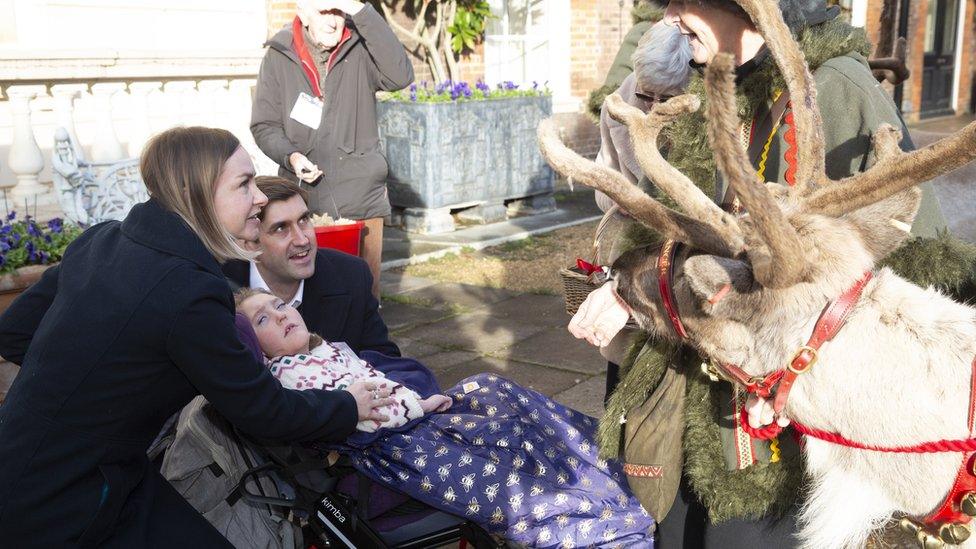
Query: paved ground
[
  {"x": 572, "y": 207},
  {"x": 459, "y": 330}
]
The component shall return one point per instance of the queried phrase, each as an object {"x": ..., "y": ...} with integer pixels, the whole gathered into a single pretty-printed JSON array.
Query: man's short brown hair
[{"x": 279, "y": 189}]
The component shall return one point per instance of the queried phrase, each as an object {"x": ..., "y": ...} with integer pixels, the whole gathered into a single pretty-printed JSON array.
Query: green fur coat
[{"x": 852, "y": 105}]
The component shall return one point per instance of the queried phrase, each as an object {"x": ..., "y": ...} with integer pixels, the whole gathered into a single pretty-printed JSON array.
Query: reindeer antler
[
  {"x": 644, "y": 133},
  {"x": 724, "y": 241},
  {"x": 810, "y": 170},
  {"x": 894, "y": 171},
  {"x": 781, "y": 263}
]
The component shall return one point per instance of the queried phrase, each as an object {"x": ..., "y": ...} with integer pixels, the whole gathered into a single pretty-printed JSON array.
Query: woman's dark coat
[{"x": 136, "y": 321}]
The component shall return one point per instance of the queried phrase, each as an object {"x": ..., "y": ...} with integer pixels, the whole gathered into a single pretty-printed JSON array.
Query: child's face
[{"x": 279, "y": 327}]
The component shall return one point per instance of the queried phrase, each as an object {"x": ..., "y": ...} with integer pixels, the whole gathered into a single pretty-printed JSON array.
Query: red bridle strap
[
  {"x": 665, "y": 276},
  {"x": 830, "y": 322}
]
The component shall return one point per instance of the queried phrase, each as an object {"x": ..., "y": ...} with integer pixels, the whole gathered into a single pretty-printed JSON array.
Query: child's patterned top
[{"x": 334, "y": 366}]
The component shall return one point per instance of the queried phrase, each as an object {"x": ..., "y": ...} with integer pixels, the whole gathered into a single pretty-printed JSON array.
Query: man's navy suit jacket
[{"x": 337, "y": 303}]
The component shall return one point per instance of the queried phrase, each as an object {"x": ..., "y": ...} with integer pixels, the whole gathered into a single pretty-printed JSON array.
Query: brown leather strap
[
  {"x": 760, "y": 134},
  {"x": 830, "y": 322}
]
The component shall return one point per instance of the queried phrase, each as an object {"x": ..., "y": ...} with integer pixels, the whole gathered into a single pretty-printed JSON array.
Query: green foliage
[
  {"x": 26, "y": 242},
  {"x": 449, "y": 91},
  {"x": 468, "y": 27}
]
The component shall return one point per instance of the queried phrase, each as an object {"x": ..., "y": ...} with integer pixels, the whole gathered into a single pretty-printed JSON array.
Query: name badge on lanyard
[{"x": 307, "y": 111}]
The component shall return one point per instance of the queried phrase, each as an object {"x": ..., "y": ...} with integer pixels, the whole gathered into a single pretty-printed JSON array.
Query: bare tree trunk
[
  {"x": 452, "y": 62},
  {"x": 420, "y": 35},
  {"x": 886, "y": 38}
]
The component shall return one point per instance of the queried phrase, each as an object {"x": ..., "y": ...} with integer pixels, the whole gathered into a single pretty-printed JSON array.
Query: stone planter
[
  {"x": 11, "y": 286},
  {"x": 481, "y": 156}
]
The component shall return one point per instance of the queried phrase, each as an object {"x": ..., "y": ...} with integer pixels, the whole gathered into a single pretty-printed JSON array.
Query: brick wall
[
  {"x": 912, "y": 97},
  {"x": 280, "y": 13},
  {"x": 598, "y": 27}
]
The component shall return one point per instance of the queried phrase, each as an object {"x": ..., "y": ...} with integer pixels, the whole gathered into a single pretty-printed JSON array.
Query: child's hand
[{"x": 436, "y": 403}]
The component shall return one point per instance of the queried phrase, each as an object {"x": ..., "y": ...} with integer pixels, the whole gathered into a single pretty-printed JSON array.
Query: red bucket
[{"x": 344, "y": 238}]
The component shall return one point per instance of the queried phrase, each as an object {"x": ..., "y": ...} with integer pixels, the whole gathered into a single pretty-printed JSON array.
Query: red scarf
[{"x": 305, "y": 56}]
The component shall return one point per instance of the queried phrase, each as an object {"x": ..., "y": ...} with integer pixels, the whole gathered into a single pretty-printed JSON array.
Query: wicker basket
[{"x": 577, "y": 285}]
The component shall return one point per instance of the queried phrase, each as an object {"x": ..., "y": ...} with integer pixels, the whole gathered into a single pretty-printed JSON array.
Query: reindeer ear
[
  {"x": 717, "y": 282},
  {"x": 885, "y": 225}
]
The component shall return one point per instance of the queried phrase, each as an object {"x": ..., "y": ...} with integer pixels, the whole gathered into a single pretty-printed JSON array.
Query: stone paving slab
[
  {"x": 414, "y": 348},
  {"x": 463, "y": 295},
  {"x": 586, "y": 397},
  {"x": 542, "y": 379},
  {"x": 445, "y": 360},
  {"x": 557, "y": 348},
  {"x": 400, "y": 316},
  {"x": 392, "y": 283},
  {"x": 476, "y": 331},
  {"x": 547, "y": 310}
]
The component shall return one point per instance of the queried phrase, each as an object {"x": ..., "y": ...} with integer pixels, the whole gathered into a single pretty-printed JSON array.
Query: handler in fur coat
[{"x": 747, "y": 487}]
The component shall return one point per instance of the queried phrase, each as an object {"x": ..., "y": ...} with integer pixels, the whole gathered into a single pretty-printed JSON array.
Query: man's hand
[
  {"x": 370, "y": 397},
  {"x": 436, "y": 403},
  {"x": 303, "y": 167},
  {"x": 600, "y": 317}
]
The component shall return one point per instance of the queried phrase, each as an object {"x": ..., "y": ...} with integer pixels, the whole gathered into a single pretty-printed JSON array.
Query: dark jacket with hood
[
  {"x": 346, "y": 145},
  {"x": 137, "y": 320}
]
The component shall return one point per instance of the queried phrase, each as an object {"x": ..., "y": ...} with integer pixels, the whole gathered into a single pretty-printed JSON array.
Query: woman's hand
[
  {"x": 436, "y": 403},
  {"x": 370, "y": 398},
  {"x": 600, "y": 317}
]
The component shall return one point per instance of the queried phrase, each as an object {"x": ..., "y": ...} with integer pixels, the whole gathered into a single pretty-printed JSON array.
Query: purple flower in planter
[
  {"x": 483, "y": 88},
  {"x": 32, "y": 229},
  {"x": 45, "y": 257},
  {"x": 6, "y": 229},
  {"x": 56, "y": 225},
  {"x": 535, "y": 85},
  {"x": 12, "y": 215},
  {"x": 16, "y": 239}
]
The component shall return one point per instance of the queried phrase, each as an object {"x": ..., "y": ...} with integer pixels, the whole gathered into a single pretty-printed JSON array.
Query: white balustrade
[
  {"x": 64, "y": 110},
  {"x": 106, "y": 146},
  {"x": 113, "y": 118},
  {"x": 25, "y": 157},
  {"x": 141, "y": 125}
]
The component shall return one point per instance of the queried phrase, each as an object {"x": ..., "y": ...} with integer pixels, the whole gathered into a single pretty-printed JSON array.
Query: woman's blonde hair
[
  {"x": 180, "y": 167},
  {"x": 245, "y": 293}
]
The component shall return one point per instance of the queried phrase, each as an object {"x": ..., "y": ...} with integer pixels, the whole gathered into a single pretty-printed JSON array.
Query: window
[{"x": 528, "y": 41}]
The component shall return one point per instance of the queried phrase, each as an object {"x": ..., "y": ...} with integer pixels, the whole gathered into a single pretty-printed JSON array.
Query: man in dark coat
[
  {"x": 314, "y": 110},
  {"x": 330, "y": 289}
]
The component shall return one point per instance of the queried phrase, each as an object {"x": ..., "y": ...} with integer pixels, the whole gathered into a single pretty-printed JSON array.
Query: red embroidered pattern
[{"x": 790, "y": 156}]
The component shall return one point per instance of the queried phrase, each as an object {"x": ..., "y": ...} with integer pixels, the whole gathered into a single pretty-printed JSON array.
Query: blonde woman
[{"x": 135, "y": 322}]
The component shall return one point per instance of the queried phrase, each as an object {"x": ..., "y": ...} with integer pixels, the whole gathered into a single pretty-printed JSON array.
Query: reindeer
[{"x": 750, "y": 290}]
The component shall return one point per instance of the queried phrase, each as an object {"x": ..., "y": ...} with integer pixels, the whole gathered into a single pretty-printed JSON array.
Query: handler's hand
[
  {"x": 303, "y": 167},
  {"x": 761, "y": 413},
  {"x": 600, "y": 317},
  {"x": 370, "y": 398}
]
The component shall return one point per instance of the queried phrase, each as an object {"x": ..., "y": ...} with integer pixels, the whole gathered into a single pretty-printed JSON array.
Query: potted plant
[
  {"x": 451, "y": 146},
  {"x": 27, "y": 249}
]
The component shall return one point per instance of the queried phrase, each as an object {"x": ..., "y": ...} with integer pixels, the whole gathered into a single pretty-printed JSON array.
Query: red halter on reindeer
[{"x": 878, "y": 371}]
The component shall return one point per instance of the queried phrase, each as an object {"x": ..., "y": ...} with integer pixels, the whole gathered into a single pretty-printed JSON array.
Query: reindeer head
[{"x": 758, "y": 280}]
